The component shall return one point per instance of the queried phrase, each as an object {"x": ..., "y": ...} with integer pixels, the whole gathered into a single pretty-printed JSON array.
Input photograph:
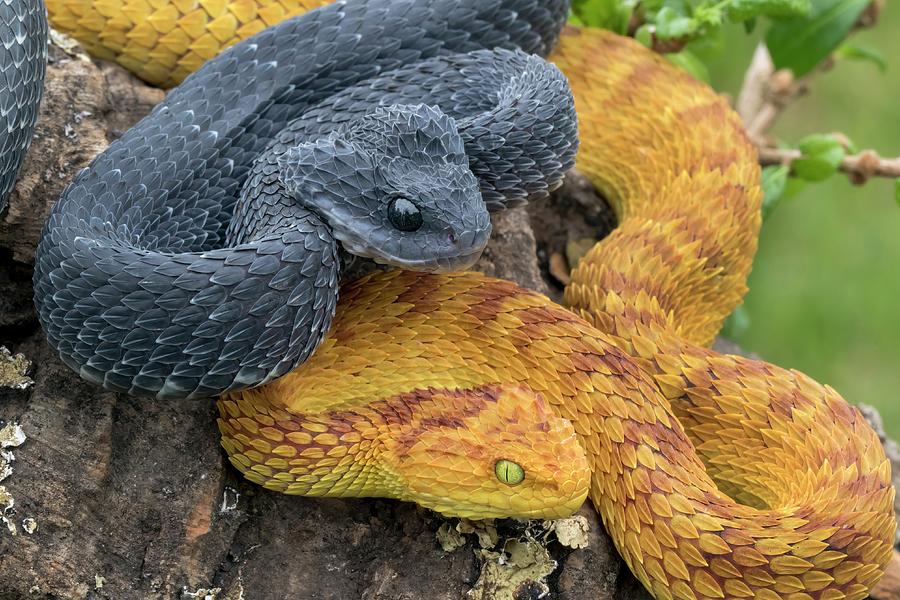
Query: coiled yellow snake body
[{"x": 717, "y": 476}]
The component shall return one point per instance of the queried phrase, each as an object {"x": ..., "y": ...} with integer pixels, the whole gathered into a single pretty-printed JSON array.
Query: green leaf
[
  {"x": 774, "y": 183},
  {"x": 799, "y": 44},
  {"x": 792, "y": 189},
  {"x": 710, "y": 16},
  {"x": 861, "y": 53},
  {"x": 608, "y": 14},
  {"x": 897, "y": 190},
  {"x": 743, "y": 10},
  {"x": 644, "y": 35},
  {"x": 690, "y": 63},
  {"x": 709, "y": 46},
  {"x": 671, "y": 25},
  {"x": 575, "y": 19},
  {"x": 821, "y": 156},
  {"x": 737, "y": 324}
]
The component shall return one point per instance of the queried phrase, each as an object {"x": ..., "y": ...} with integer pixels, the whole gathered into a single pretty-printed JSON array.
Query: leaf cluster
[{"x": 800, "y": 34}]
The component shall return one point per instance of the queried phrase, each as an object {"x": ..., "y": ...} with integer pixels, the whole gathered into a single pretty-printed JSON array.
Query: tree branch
[
  {"x": 858, "y": 167},
  {"x": 765, "y": 93}
]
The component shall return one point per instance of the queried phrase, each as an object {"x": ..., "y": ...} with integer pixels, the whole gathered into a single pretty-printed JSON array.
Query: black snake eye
[{"x": 404, "y": 215}]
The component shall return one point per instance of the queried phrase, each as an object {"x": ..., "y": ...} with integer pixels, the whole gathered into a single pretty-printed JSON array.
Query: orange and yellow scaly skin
[
  {"x": 816, "y": 518},
  {"x": 717, "y": 476},
  {"x": 164, "y": 41}
]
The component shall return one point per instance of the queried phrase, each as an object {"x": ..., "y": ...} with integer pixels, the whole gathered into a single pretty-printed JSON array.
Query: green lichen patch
[
  {"x": 14, "y": 370},
  {"x": 451, "y": 537},
  {"x": 571, "y": 532},
  {"x": 11, "y": 436},
  {"x": 29, "y": 525},
  {"x": 7, "y": 510},
  {"x": 517, "y": 571}
]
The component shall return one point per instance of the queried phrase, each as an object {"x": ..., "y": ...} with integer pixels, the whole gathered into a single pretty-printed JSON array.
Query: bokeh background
[{"x": 825, "y": 289}]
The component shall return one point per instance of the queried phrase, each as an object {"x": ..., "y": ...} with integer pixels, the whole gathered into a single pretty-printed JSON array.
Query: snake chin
[{"x": 408, "y": 156}]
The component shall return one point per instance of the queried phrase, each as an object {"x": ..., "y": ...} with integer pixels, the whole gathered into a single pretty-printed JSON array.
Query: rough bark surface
[{"x": 134, "y": 499}]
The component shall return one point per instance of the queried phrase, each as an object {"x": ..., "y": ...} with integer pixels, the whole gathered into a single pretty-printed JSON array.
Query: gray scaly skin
[
  {"x": 23, "y": 63},
  {"x": 198, "y": 254}
]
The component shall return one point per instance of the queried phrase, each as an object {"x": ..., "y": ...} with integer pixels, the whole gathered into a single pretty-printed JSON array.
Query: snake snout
[
  {"x": 493, "y": 451},
  {"x": 447, "y": 251},
  {"x": 464, "y": 250}
]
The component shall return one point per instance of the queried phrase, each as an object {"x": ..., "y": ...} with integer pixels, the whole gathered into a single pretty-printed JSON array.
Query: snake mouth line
[
  {"x": 454, "y": 259},
  {"x": 438, "y": 264},
  {"x": 452, "y": 508}
]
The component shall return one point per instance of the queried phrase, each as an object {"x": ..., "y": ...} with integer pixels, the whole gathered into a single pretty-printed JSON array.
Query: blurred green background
[{"x": 825, "y": 290}]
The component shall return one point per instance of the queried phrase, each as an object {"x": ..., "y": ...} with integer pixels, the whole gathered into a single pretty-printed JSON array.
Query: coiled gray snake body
[
  {"x": 23, "y": 63},
  {"x": 198, "y": 253}
]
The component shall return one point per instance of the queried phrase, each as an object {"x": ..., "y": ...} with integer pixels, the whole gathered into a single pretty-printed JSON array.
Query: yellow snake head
[{"x": 487, "y": 452}]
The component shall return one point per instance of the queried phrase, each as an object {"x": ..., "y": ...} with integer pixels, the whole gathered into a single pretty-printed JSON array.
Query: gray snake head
[{"x": 394, "y": 186}]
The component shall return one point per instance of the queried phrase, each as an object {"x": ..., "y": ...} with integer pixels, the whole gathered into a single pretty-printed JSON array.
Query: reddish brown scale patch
[
  {"x": 532, "y": 332},
  {"x": 478, "y": 399},
  {"x": 545, "y": 314},
  {"x": 411, "y": 403},
  {"x": 491, "y": 393},
  {"x": 649, "y": 73},
  {"x": 570, "y": 31},
  {"x": 748, "y": 368},
  {"x": 844, "y": 457},
  {"x": 782, "y": 405},
  {"x": 677, "y": 450},
  {"x": 349, "y": 291},
  {"x": 718, "y": 115},
  {"x": 846, "y": 414},
  {"x": 659, "y": 433},
  {"x": 716, "y": 161},
  {"x": 418, "y": 293},
  {"x": 585, "y": 362},
  {"x": 486, "y": 306},
  {"x": 717, "y": 504},
  {"x": 397, "y": 411},
  {"x": 729, "y": 197},
  {"x": 442, "y": 422},
  {"x": 714, "y": 110}
]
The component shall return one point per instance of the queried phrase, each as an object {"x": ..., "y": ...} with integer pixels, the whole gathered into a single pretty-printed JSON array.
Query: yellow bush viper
[{"x": 717, "y": 476}]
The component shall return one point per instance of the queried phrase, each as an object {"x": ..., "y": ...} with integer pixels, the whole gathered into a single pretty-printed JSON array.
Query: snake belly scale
[{"x": 717, "y": 476}]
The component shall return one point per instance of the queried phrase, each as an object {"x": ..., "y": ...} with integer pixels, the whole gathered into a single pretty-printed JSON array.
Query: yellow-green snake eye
[{"x": 509, "y": 472}]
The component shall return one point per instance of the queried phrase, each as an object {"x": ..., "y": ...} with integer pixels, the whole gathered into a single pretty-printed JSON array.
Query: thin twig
[
  {"x": 765, "y": 94},
  {"x": 858, "y": 167},
  {"x": 752, "y": 97}
]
